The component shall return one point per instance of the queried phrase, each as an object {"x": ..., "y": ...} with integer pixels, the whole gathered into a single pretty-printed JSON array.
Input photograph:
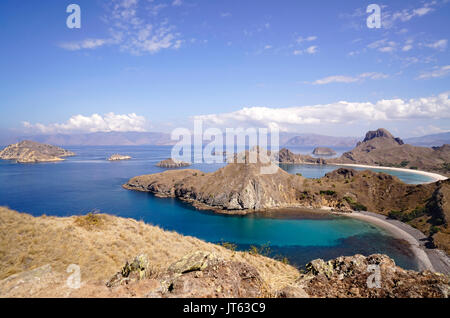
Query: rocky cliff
[{"x": 32, "y": 152}]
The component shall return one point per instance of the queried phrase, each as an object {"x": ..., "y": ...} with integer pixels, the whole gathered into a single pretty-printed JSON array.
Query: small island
[
  {"x": 172, "y": 163},
  {"x": 117, "y": 157},
  {"x": 32, "y": 152},
  {"x": 323, "y": 151}
]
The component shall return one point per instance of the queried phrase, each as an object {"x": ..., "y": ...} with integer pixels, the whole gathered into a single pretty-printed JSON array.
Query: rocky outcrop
[
  {"x": 137, "y": 270},
  {"x": 381, "y": 148},
  {"x": 33, "y": 152},
  {"x": 172, "y": 163},
  {"x": 205, "y": 275},
  {"x": 117, "y": 157},
  {"x": 286, "y": 156},
  {"x": 323, "y": 151},
  {"x": 375, "y": 276}
]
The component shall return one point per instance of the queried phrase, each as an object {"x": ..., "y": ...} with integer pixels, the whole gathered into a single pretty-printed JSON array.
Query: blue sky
[{"x": 305, "y": 66}]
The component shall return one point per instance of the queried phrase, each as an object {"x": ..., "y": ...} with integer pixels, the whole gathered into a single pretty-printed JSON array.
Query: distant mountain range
[
  {"x": 159, "y": 138},
  {"x": 430, "y": 140}
]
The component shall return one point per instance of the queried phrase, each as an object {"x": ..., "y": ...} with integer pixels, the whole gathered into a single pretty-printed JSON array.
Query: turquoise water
[
  {"x": 315, "y": 171},
  {"x": 88, "y": 182}
]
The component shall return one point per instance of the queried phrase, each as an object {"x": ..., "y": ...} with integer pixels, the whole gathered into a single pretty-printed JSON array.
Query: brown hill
[
  {"x": 380, "y": 148},
  {"x": 120, "y": 257},
  {"x": 30, "y": 152}
]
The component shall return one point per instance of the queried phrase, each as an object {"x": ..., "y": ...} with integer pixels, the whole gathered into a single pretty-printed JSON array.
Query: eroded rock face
[
  {"x": 32, "y": 152},
  {"x": 171, "y": 163},
  {"x": 138, "y": 269},
  {"x": 356, "y": 276},
  {"x": 203, "y": 274}
]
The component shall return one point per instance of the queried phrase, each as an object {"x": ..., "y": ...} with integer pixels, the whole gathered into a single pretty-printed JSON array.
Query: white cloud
[
  {"x": 301, "y": 39},
  {"x": 225, "y": 14},
  {"x": 289, "y": 119},
  {"x": 438, "y": 45},
  {"x": 350, "y": 79},
  {"x": 390, "y": 18},
  {"x": 93, "y": 123},
  {"x": 311, "y": 50},
  {"x": 85, "y": 44},
  {"x": 135, "y": 28},
  {"x": 435, "y": 73},
  {"x": 177, "y": 3},
  {"x": 383, "y": 45},
  {"x": 407, "y": 47}
]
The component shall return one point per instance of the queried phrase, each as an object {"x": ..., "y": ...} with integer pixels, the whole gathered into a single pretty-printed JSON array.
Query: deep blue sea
[{"x": 88, "y": 182}]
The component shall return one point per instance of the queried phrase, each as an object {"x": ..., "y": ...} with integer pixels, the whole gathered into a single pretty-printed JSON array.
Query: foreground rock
[
  {"x": 323, "y": 151},
  {"x": 172, "y": 163},
  {"x": 356, "y": 276},
  {"x": 117, "y": 157},
  {"x": 380, "y": 148},
  {"x": 205, "y": 275},
  {"x": 31, "y": 152}
]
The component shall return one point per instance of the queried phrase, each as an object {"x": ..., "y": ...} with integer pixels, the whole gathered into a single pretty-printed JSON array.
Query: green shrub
[
  {"x": 327, "y": 192},
  {"x": 404, "y": 163}
]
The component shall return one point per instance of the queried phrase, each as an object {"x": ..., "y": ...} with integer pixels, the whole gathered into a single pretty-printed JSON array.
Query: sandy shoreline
[
  {"x": 428, "y": 259},
  {"x": 434, "y": 176}
]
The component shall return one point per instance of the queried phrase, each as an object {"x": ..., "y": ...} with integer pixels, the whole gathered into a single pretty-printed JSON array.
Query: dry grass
[{"x": 100, "y": 244}]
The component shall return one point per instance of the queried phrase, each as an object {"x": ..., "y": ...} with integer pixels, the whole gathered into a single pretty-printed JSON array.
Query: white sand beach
[
  {"x": 428, "y": 259},
  {"x": 434, "y": 176}
]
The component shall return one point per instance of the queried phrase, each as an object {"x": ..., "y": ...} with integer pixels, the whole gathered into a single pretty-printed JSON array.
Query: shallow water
[{"x": 88, "y": 182}]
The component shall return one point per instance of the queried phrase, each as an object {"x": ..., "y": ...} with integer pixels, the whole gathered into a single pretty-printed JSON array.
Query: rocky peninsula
[
  {"x": 165, "y": 264},
  {"x": 32, "y": 152},
  {"x": 241, "y": 188},
  {"x": 172, "y": 163},
  {"x": 381, "y": 148}
]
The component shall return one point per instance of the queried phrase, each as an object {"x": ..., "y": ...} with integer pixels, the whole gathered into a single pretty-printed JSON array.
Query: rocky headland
[
  {"x": 172, "y": 163},
  {"x": 285, "y": 156},
  {"x": 32, "y": 152},
  {"x": 35, "y": 253},
  {"x": 117, "y": 157},
  {"x": 381, "y": 148}
]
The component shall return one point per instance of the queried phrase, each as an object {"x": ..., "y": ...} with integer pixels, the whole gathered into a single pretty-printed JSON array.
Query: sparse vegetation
[
  {"x": 404, "y": 163},
  {"x": 327, "y": 192},
  {"x": 355, "y": 206},
  {"x": 90, "y": 221}
]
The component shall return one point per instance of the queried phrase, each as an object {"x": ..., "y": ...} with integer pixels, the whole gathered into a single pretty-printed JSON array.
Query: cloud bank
[
  {"x": 288, "y": 119},
  {"x": 94, "y": 123}
]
